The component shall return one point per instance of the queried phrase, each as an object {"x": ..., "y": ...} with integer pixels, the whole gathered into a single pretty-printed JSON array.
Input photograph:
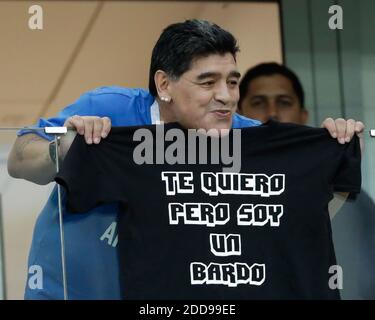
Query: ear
[
  {"x": 304, "y": 116},
  {"x": 162, "y": 83}
]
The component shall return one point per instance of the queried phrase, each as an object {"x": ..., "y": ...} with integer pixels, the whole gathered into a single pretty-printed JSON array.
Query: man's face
[
  {"x": 206, "y": 95},
  {"x": 273, "y": 97}
]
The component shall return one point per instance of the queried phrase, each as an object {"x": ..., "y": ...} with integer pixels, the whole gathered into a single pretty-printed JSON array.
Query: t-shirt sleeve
[
  {"x": 348, "y": 176},
  {"x": 82, "y": 107},
  {"x": 87, "y": 175}
]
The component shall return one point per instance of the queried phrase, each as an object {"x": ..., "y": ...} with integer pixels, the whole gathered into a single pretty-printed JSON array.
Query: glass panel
[
  {"x": 21, "y": 202},
  {"x": 337, "y": 71}
]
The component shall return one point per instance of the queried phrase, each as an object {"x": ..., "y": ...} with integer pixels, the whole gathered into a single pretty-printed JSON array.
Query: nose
[
  {"x": 223, "y": 93},
  {"x": 272, "y": 110}
]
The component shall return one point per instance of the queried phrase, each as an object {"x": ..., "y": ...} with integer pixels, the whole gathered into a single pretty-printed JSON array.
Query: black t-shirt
[{"x": 192, "y": 231}]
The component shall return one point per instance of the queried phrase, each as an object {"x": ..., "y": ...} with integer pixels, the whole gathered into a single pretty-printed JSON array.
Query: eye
[
  {"x": 285, "y": 103},
  {"x": 258, "y": 103},
  {"x": 209, "y": 83},
  {"x": 233, "y": 82}
]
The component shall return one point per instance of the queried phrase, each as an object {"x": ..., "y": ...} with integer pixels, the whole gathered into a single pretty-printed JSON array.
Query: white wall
[{"x": 44, "y": 70}]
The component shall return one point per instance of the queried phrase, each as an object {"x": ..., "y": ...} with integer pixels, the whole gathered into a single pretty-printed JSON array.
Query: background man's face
[
  {"x": 273, "y": 97},
  {"x": 206, "y": 95}
]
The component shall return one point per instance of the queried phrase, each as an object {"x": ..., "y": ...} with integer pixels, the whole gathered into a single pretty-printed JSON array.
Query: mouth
[{"x": 222, "y": 113}]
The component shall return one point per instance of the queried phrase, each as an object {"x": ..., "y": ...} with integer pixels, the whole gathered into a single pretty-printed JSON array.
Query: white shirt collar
[{"x": 155, "y": 113}]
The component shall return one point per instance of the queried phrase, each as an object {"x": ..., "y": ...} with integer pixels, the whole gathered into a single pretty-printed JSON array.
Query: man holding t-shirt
[{"x": 193, "y": 81}]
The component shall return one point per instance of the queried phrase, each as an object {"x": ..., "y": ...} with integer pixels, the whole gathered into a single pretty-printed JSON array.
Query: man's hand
[
  {"x": 344, "y": 130},
  {"x": 93, "y": 128}
]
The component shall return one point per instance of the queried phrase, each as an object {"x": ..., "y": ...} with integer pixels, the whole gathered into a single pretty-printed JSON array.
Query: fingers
[
  {"x": 97, "y": 130},
  {"x": 330, "y": 125},
  {"x": 342, "y": 129},
  {"x": 350, "y": 127},
  {"x": 106, "y": 127},
  {"x": 76, "y": 122},
  {"x": 359, "y": 128},
  {"x": 89, "y": 127},
  {"x": 93, "y": 128},
  {"x": 102, "y": 126}
]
